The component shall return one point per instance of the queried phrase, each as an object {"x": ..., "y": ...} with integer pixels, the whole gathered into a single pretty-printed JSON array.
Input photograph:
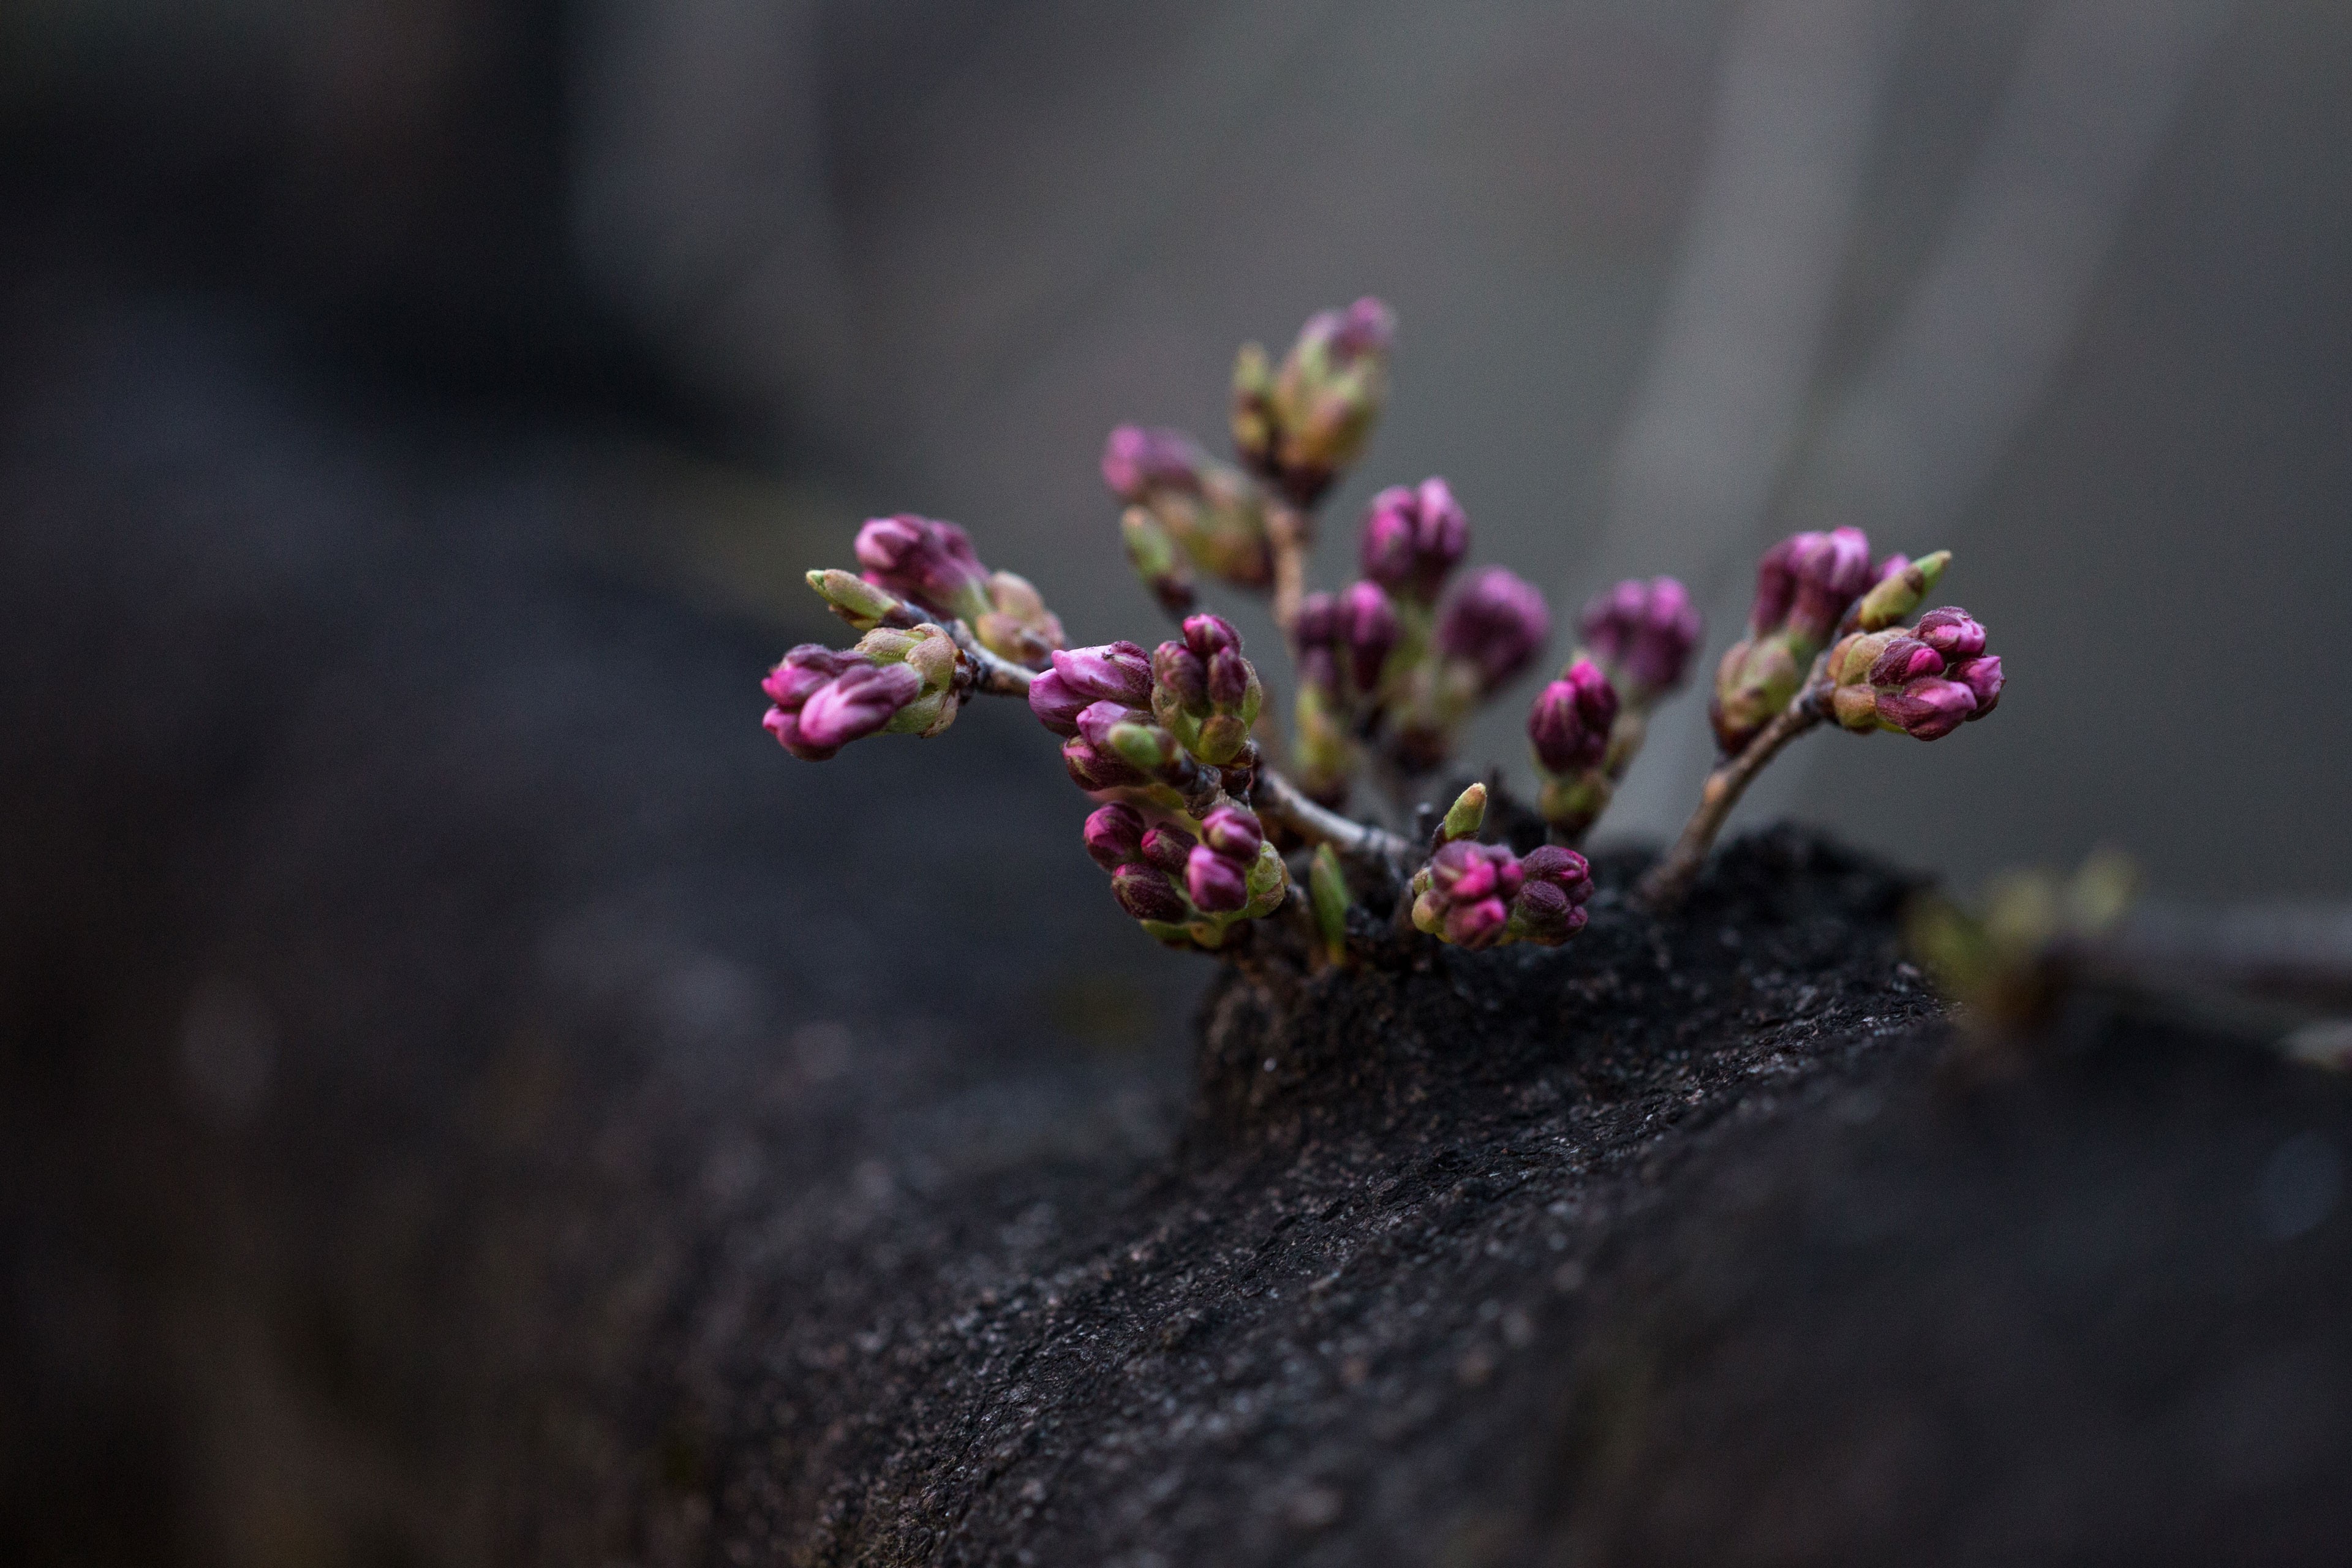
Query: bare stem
[
  {"x": 1278, "y": 798},
  {"x": 1668, "y": 883},
  {"x": 993, "y": 677},
  {"x": 1286, "y": 532}
]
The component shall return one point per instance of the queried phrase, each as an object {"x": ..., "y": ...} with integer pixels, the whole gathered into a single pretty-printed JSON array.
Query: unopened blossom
[
  {"x": 1304, "y": 422},
  {"x": 933, "y": 565},
  {"x": 1204, "y": 691},
  {"x": 1924, "y": 681},
  {"x": 1570, "y": 722},
  {"x": 1496, "y": 622},
  {"x": 901, "y": 682},
  {"x": 1642, "y": 634},
  {"x": 1555, "y": 884},
  {"x": 1413, "y": 539},
  {"x": 1080, "y": 676},
  {"x": 1114, "y": 835},
  {"x": 1804, "y": 586},
  {"x": 1210, "y": 510}
]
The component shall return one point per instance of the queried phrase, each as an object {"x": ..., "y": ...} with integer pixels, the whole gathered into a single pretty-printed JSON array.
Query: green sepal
[
  {"x": 852, "y": 598},
  {"x": 1465, "y": 816}
]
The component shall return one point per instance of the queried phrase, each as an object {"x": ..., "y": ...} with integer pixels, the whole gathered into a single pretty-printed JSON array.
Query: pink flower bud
[
  {"x": 1413, "y": 539},
  {"x": 1952, "y": 632},
  {"x": 1206, "y": 635},
  {"x": 1216, "y": 884},
  {"x": 1233, "y": 832},
  {"x": 1982, "y": 677},
  {"x": 1926, "y": 708},
  {"x": 1568, "y": 724},
  {"x": 854, "y": 703},
  {"x": 1560, "y": 867},
  {"x": 1114, "y": 673},
  {"x": 1114, "y": 835},
  {"x": 1148, "y": 894},
  {"x": 1905, "y": 658},
  {"x": 931, "y": 562},
  {"x": 1368, "y": 626},
  {"x": 1167, "y": 847},
  {"x": 1646, "y": 631},
  {"x": 1497, "y": 622},
  {"x": 1137, "y": 461}
]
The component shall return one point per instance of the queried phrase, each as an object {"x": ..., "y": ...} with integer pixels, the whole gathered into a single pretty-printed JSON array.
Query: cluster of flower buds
[
  {"x": 1204, "y": 691},
  {"x": 1302, "y": 423},
  {"x": 1587, "y": 726},
  {"x": 1804, "y": 587},
  {"x": 1487, "y": 633},
  {"x": 1185, "y": 510},
  {"x": 1343, "y": 643},
  {"x": 932, "y": 564},
  {"x": 893, "y": 682},
  {"x": 1925, "y": 681},
  {"x": 1476, "y": 895},
  {"x": 1414, "y": 538},
  {"x": 1188, "y": 881}
]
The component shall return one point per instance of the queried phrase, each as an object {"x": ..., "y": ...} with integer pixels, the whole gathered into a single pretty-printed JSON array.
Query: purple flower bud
[
  {"x": 802, "y": 671},
  {"x": 1317, "y": 621},
  {"x": 1476, "y": 924},
  {"x": 1094, "y": 768},
  {"x": 1137, "y": 461},
  {"x": 1167, "y": 847},
  {"x": 1413, "y": 539},
  {"x": 1233, "y": 832},
  {"x": 932, "y": 563},
  {"x": 1368, "y": 623},
  {"x": 1497, "y": 622},
  {"x": 1148, "y": 894},
  {"x": 1952, "y": 632},
  {"x": 1058, "y": 707},
  {"x": 1114, "y": 672},
  {"x": 1982, "y": 677},
  {"x": 1926, "y": 708},
  {"x": 1229, "y": 678},
  {"x": 1903, "y": 659},
  {"x": 1560, "y": 867},
  {"x": 1178, "y": 671},
  {"x": 1114, "y": 835},
  {"x": 1570, "y": 722},
  {"x": 1646, "y": 631},
  {"x": 854, "y": 703},
  {"x": 1365, "y": 327},
  {"x": 1216, "y": 884},
  {"x": 1206, "y": 635},
  {"x": 1465, "y": 869},
  {"x": 1807, "y": 583}
]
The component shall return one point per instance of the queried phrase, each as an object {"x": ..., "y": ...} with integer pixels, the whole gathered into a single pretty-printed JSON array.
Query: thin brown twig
[{"x": 1666, "y": 884}]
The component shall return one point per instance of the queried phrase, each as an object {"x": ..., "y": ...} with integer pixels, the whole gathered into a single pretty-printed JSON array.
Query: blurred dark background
[
  {"x": 2059, "y": 286},
  {"x": 415, "y": 416}
]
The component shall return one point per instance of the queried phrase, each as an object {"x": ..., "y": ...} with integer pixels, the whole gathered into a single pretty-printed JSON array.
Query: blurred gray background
[{"x": 2063, "y": 285}]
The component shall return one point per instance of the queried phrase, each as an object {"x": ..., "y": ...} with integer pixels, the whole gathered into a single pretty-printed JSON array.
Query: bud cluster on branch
[{"x": 1201, "y": 836}]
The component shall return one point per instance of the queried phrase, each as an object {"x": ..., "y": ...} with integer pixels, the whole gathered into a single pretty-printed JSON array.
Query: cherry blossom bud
[
  {"x": 1148, "y": 894},
  {"x": 1550, "y": 906},
  {"x": 1115, "y": 835},
  {"x": 1926, "y": 708},
  {"x": 1233, "y": 832},
  {"x": 1570, "y": 721},
  {"x": 1167, "y": 847},
  {"x": 1211, "y": 510},
  {"x": 1216, "y": 883},
  {"x": 1137, "y": 461},
  {"x": 1953, "y": 633},
  {"x": 1413, "y": 539},
  {"x": 1204, "y": 691},
  {"x": 1982, "y": 677},
  {"x": 1497, "y": 622},
  {"x": 1464, "y": 895},
  {"x": 931, "y": 562},
  {"x": 1302, "y": 423},
  {"x": 1644, "y": 633},
  {"x": 1368, "y": 626},
  {"x": 856, "y": 703},
  {"x": 896, "y": 680}
]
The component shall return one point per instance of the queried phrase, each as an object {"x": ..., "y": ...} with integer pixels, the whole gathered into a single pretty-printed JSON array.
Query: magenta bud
[
  {"x": 1114, "y": 835},
  {"x": 1477, "y": 923},
  {"x": 1317, "y": 621},
  {"x": 1216, "y": 884},
  {"x": 1806, "y": 584},
  {"x": 1148, "y": 894},
  {"x": 1180, "y": 672},
  {"x": 1568, "y": 724},
  {"x": 1233, "y": 832},
  {"x": 1982, "y": 677},
  {"x": 1229, "y": 676},
  {"x": 1561, "y": 868},
  {"x": 1413, "y": 539},
  {"x": 1208, "y": 634},
  {"x": 1368, "y": 623},
  {"x": 1497, "y": 621},
  {"x": 1646, "y": 631},
  {"x": 856, "y": 703},
  {"x": 1137, "y": 461},
  {"x": 803, "y": 669},
  {"x": 1905, "y": 658},
  {"x": 1365, "y": 327},
  {"x": 1928, "y": 709},
  {"x": 1952, "y": 633},
  {"x": 1057, "y": 706},
  {"x": 1093, "y": 768},
  {"x": 1167, "y": 847},
  {"x": 917, "y": 558}
]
